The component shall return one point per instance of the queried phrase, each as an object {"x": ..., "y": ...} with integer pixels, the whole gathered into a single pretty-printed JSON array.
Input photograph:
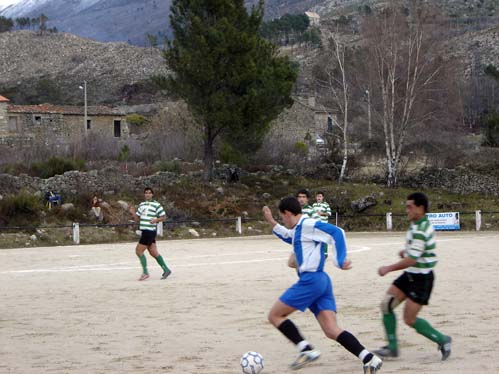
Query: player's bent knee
[
  {"x": 332, "y": 333},
  {"x": 410, "y": 321},
  {"x": 389, "y": 303}
]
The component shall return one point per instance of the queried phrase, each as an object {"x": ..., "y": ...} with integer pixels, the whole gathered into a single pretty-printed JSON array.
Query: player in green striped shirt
[
  {"x": 323, "y": 210},
  {"x": 321, "y": 207},
  {"x": 302, "y": 196},
  {"x": 149, "y": 213},
  {"x": 414, "y": 286}
]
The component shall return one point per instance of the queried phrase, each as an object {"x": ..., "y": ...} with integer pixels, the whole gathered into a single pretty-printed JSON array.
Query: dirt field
[{"x": 80, "y": 309}]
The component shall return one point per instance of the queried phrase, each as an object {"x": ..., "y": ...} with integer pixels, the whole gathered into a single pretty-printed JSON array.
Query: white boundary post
[
  {"x": 239, "y": 226},
  {"x": 336, "y": 218},
  {"x": 478, "y": 219},
  {"x": 389, "y": 223},
  {"x": 159, "y": 228},
  {"x": 76, "y": 233}
]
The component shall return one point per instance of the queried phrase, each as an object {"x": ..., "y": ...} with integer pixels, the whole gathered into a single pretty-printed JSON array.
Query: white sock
[{"x": 301, "y": 345}]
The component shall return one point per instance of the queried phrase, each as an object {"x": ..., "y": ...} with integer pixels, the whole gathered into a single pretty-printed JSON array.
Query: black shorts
[
  {"x": 416, "y": 287},
  {"x": 147, "y": 237}
]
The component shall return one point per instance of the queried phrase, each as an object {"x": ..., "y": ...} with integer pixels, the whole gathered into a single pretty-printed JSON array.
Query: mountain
[
  {"x": 121, "y": 20},
  {"x": 103, "y": 20}
]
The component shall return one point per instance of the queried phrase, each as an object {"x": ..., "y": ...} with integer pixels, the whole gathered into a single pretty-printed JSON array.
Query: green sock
[
  {"x": 424, "y": 328},
  {"x": 161, "y": 263},
  {"x": 143, "y": 262},
  {"x": 390, "y": 323}
]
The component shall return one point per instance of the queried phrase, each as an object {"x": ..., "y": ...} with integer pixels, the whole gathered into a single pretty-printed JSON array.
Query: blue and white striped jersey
[{"x": 308, "y": 237}]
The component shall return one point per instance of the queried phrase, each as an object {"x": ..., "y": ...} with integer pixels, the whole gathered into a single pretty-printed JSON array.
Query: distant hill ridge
[{"x": 67, "y": 60}]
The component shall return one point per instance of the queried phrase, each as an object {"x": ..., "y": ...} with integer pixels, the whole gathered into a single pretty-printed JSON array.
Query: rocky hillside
[
  {"x": 49, "y": 68},
  {"x": 453, "y": 8},
  {"x": 35, "y": 64}
]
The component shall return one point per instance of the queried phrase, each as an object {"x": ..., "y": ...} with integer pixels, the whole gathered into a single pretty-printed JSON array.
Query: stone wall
[
  {"x": 110, "y": 181},
  {"x": 74, "y": 182},
  {"x": 461, "y": 180}
]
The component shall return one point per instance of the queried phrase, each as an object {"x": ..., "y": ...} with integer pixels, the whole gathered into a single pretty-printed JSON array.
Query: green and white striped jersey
[
  {"x": 322, "y": 208},
  {"x": 420, "y": 245},
  {"x": 309, "y": 211},
  {"x": 147, "y": 211}
]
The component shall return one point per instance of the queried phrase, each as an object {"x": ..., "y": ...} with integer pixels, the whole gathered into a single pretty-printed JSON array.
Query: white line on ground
[{"x": 111, "y": 267}]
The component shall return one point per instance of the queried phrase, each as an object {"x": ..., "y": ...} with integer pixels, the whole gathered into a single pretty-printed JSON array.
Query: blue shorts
[{"x": 313, "y": 291}]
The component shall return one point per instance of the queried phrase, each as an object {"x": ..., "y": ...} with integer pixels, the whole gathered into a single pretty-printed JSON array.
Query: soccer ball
[{"x": 252, "y": 363}]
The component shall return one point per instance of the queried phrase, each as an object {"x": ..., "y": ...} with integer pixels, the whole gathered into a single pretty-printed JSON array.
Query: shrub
[
  {"x": 21, "y": 209},
  {"x": 491, "y": 131},
  {"x": 230, "y": 155},
  {"x": 136, "y": 119},
  {"x": 301, "y": 148},
  {"x": 170, "y": 166},
  {"x": 56, "y": 165}
]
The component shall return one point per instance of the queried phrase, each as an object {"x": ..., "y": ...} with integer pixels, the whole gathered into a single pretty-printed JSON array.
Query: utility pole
[
  {"x": 84, "y": 88},
  {"x": 369, "y": 132}
]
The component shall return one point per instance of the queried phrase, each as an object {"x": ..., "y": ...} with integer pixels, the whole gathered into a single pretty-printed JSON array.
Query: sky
[{"x": 4, "y": 3}]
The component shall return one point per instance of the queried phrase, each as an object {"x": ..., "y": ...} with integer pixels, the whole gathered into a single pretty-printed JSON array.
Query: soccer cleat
[
  {"x": 445, "y": 348},
  {"x": 143, "y": 277},
  {"x": 166, "y": 274},
  {"x": 373, "y": 366},
  {"x": 305, "y": 358},
  {"x": 386, "y": 352}
]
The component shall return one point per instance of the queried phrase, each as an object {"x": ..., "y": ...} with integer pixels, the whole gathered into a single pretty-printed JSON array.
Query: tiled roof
[
  {"x": 99, "y": 110},
  {"x": 3, "y": 99}
]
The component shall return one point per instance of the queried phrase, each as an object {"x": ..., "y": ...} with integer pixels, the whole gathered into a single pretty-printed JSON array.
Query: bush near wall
[
  {"x": 55, "y": 166},
  {"x": 21, "y": 209}
]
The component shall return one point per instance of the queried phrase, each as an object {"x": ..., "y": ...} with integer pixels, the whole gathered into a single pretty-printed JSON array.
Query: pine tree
[{"x": 233, "y": 80}]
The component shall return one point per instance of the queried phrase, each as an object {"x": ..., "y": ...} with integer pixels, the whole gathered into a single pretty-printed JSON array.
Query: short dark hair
[
  {"x": 290, "y": 204},
  {"x": 148, "y": 189},
  {"x": 319, "y": 193},
  {"x": 303, "y": 191},
  {"x": 419, "y": 199}
]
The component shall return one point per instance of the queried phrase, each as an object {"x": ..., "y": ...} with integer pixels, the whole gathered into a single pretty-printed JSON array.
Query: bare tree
[
  {"x": 334, "y": 90},
  {"x": 406, "y": 67}
]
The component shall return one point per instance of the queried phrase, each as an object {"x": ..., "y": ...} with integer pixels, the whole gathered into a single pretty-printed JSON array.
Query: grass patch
[{"x": 188, "y": 199}]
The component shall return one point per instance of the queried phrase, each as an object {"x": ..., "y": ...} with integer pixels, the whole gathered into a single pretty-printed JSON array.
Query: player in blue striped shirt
[{"x": 314, "y": 288}]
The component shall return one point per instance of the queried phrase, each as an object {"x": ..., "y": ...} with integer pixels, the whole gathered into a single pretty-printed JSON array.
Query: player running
[
  {"x": 314, "y": 288},
  {"x": 149, "y": 212},
  {"x": 415, "y": 284}
]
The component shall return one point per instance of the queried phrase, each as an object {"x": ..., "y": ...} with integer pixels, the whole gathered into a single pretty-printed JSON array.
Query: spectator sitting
[{"x": 96, "y": 208}]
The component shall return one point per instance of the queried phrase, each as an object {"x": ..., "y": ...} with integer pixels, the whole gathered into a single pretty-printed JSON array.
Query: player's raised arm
[
  {"x": 267, "y": 214},
  {"x": 280, "y": 231}
]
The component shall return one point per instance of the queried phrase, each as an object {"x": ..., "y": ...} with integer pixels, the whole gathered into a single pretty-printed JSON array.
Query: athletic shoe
[
  {"x": 305, "y": 358},
  {"x": 386, "y": 352},
  {"x": 166, "y": 274},
  {"x": 143, "y": 277},
  {"x": 373, "y": 366},
  {"x": 445, "y": 348}
]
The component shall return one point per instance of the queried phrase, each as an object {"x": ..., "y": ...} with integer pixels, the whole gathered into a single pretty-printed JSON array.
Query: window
[
  {"x": 37, "y": 120},
  {"x": 13, "y": 124},
  {"x": 117, "y": 128},
  {"x": 89, "y": 124},
  {"x": 329, "y": 123}
]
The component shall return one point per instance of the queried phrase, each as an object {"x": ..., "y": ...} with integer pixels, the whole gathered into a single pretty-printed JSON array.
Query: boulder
[{"x": 363, "y": 203}]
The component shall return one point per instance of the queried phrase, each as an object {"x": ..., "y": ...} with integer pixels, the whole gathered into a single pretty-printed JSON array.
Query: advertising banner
[{"x": 444, "y": 221}]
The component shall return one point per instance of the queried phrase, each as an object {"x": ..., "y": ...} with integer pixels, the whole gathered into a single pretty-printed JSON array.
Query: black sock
[
  {"x": 353, "y": 346},
  {"x": 290, "y": 331}
]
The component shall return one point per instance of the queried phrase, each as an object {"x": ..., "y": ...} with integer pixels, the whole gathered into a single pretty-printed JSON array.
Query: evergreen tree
[
  {"x": 6, "y": 24},
  {"x": 233, "y": 80}
]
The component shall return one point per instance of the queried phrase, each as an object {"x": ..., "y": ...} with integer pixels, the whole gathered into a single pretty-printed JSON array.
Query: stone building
[
  {"x": 4, "y": 102},
  {"x": 25, "y": 125},
  {"x": 314, "y": 18}
]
